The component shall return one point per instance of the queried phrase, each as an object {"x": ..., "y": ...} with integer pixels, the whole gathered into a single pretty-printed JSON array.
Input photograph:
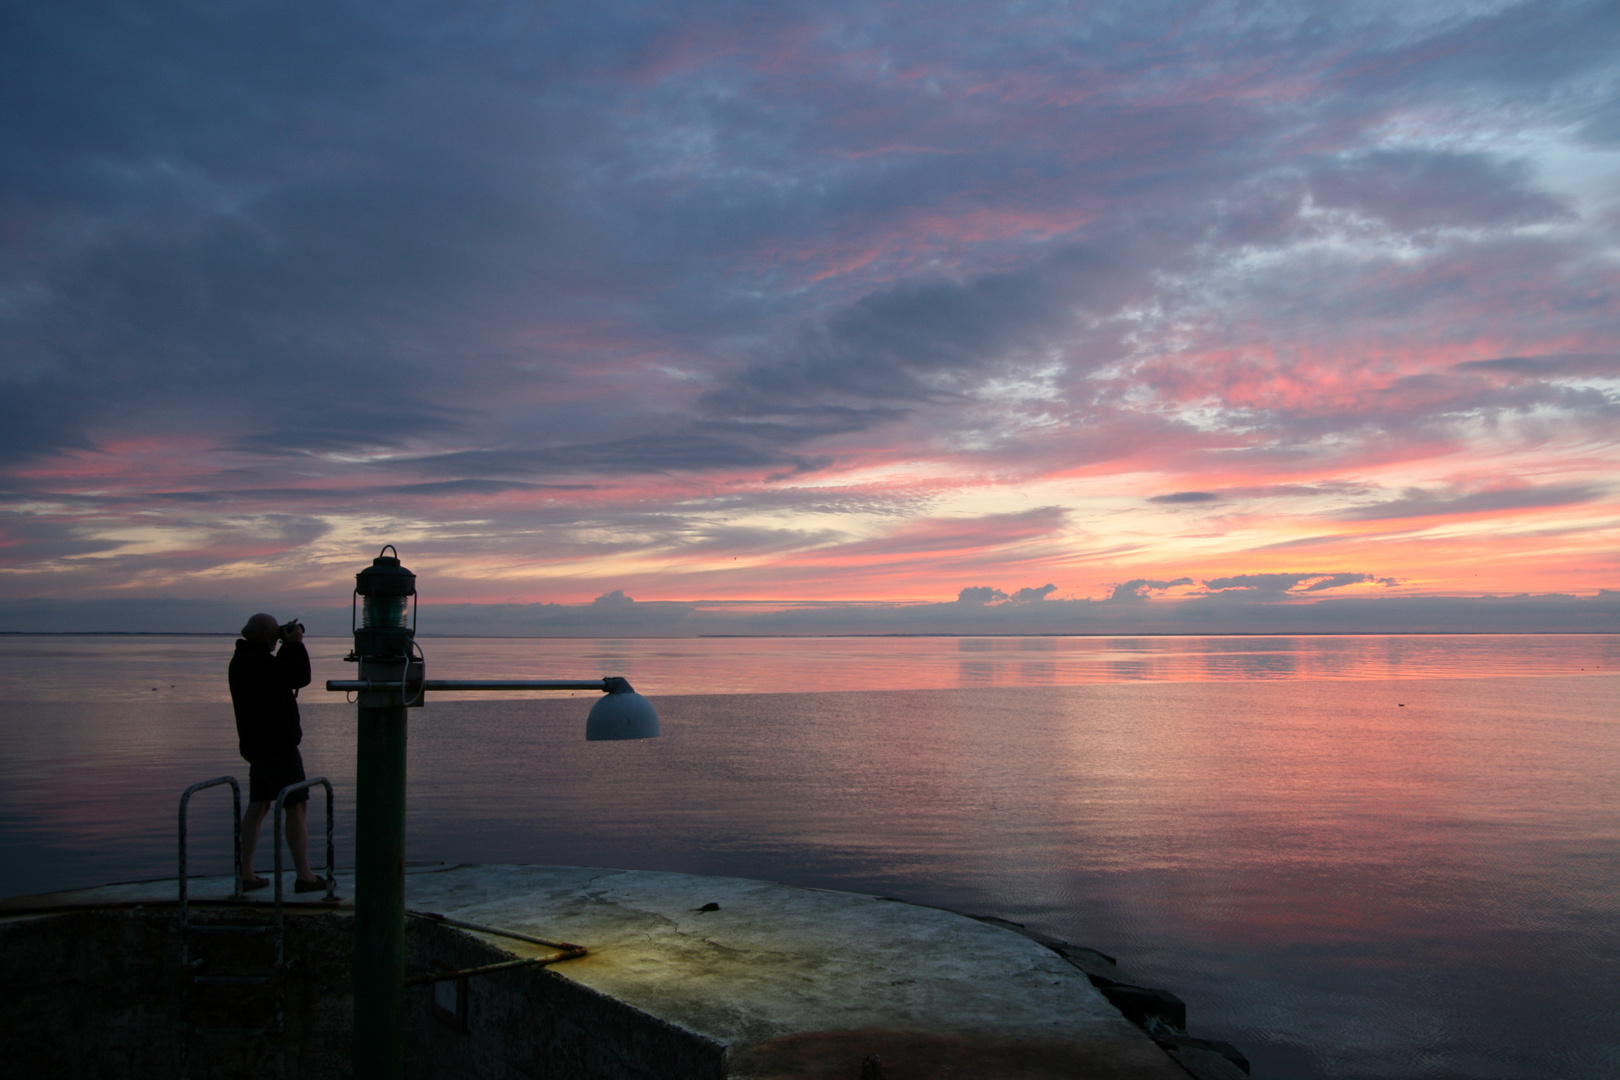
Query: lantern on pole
[
  {"x": 383, "y": 613},
  {"x": 393, "y": 678},
  {"x": 383, "y": 617}
]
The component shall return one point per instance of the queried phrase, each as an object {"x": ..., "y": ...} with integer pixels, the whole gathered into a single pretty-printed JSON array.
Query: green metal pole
[{"x": 379, "y": 896}]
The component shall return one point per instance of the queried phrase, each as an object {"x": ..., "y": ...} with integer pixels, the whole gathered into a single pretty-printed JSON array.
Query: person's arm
[{"x": 292, "y": 661}]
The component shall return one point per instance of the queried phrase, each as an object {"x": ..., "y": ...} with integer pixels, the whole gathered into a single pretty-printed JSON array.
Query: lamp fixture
[{"x": 393, "y": 678}]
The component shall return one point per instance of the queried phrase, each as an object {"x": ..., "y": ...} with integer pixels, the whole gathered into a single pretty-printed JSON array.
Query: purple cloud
[
  {"x": 1419, "y": 190},
  {"x": 1032, "y": 595},
  {"x": 1416, "y": 502},
  {"x": 1275, "y": 586},
  {"x": 980, "y": 594},
  {"x": 1135, "y": 590},
  {"x": 827, "y": 292}
]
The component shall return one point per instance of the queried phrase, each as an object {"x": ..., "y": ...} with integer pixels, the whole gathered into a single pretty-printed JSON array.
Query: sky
[{"x": 1001, "y": 311}]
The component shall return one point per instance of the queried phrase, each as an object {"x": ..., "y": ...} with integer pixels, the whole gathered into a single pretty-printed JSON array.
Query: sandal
[
  {"x": 309, "y": 886},
  {"x": 254, "y": 883}
]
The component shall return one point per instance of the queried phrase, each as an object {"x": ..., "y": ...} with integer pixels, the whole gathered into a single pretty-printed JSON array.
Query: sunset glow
[{"x": 827, "y": 303}]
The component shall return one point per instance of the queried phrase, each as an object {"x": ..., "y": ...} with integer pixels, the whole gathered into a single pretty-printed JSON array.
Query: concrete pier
[{"x": 717, "y": 977}]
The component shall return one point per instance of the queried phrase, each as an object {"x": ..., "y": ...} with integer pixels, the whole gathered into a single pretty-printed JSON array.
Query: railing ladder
[
  {"x": 236, "y": 845},
  {"x": 191, "y": 975},
  {"x": 331, "y": 854}
]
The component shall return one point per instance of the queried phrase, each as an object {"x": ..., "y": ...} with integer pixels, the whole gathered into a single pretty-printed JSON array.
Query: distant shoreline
[
  {"x": 705, "y": 637},
  {"x": 115, "y": 633}
]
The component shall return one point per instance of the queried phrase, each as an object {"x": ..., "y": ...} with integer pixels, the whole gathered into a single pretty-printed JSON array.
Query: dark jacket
[{"x": 264, "y": 694}]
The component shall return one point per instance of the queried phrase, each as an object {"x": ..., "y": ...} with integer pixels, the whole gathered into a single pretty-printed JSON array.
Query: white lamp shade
[{"x": 621, "y": 715}]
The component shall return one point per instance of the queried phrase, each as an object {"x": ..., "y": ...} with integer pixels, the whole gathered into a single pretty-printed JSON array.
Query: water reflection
[
  {"x": 1253, "y": 666},
  {"x": 190, "y": 668},
  {"x": 1393, "y": 657},
  {"x": 1037, "y": 671},
  {"x": 1342, "y": 874},
  {"x": 1129, "y": 671},
  {"x": 975, "y": 672},
  {"x": 1340, "y": 877},
  {"x": 615, "y": 656}
]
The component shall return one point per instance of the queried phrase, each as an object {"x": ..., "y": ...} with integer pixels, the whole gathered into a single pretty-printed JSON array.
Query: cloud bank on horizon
[{"x": 803, "y": 303}]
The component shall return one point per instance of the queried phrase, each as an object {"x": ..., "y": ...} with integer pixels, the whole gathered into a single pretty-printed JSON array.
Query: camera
[{"x": 288, "y": 627}]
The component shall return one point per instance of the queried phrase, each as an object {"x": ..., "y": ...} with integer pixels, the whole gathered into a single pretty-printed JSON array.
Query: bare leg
[
  {"x": 252, "y": 818},
  {"x": 298, "y": 839}
]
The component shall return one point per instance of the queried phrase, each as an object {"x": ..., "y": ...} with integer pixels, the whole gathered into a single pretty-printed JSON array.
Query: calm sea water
[{"x": 1352, "y": 856}]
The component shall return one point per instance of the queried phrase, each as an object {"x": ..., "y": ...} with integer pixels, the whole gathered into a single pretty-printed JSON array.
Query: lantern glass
[{"x": 384, "y": 612}]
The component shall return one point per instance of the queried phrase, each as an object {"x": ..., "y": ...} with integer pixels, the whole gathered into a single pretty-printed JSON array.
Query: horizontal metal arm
[{"x": 605, "y": 685}]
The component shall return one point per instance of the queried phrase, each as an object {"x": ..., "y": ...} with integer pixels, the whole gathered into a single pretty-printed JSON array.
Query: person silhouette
[{"x": 264, "y": 695}]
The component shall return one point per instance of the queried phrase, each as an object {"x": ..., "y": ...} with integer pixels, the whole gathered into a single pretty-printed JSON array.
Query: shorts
[{"x": 268, "y": 776}]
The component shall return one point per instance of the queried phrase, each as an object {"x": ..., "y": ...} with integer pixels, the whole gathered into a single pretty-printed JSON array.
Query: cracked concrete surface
[{"x": 784, "y": 976}]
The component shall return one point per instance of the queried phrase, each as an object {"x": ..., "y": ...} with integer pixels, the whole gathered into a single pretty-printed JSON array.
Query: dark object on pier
[
  {"x": 1160, "y": 1013},
  {"x": 872, "y": 1068},
  {"x": 1145, "y": 1006},
  {"x": 1193, "y": 1052}
]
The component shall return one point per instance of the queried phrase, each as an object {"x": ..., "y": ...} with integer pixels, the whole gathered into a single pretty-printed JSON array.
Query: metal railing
[
  {"x": 236, "y": 829},
  {"x": 331, "y": 851}
]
